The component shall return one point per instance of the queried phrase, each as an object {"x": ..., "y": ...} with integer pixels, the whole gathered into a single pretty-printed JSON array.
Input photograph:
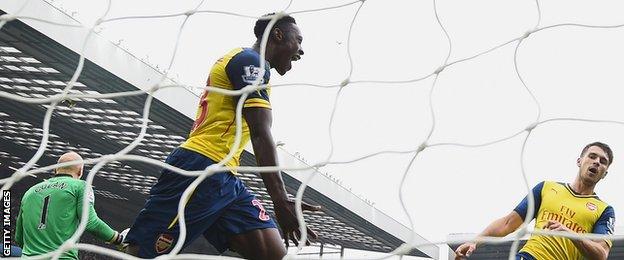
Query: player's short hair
[
  {"x": 602, "y": 146},
  {"x": 263, "y": 22}
]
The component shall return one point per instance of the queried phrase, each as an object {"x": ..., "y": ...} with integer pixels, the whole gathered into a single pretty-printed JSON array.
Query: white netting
[{"x": 53, "y": 101}]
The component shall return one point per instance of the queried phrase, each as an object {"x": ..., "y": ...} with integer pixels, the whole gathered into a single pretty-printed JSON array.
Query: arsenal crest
[
  {"x": 591, "y": 206},
  {"x": 163, "y": 243}
]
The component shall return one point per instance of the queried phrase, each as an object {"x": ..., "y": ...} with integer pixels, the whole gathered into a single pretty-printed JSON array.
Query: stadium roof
[{"x": 38, "y": 59}]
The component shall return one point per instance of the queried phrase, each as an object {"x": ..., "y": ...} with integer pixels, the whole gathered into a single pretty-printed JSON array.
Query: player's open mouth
[
  {"x": 295, "y": 57},
  {"x": 593, "y": 170}
]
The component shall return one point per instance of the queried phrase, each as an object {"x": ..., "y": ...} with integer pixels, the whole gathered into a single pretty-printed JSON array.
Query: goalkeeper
[{"x": 50, "y": 213}]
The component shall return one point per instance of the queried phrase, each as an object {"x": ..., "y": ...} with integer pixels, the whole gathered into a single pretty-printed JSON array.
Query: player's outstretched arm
[
  {"x": 507, "y": 224},
  {"x": 95, "y": 225},
  {"x": 259, "y": 121},
  {"x": 499, "y": 228}
]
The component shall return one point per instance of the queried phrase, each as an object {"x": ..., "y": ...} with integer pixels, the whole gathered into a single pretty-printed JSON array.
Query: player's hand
[
  {"x": 119, "y": 239},
  {"x": 287, "y": 219},
  {"x": 556, "y": 226},
  {"x": 465, "y": 250}
]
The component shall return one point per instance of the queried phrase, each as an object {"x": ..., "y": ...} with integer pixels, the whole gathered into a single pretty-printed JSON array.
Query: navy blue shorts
[
  {"x": 524, "y": 256},
  {"x": 221, "y": 206}
]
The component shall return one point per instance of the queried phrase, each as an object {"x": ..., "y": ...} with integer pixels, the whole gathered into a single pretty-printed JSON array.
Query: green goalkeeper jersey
[{"x": 50, "y": 213}]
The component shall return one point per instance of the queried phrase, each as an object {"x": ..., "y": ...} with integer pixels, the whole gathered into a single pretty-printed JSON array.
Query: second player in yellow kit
[{"x": 568, "y": 208}]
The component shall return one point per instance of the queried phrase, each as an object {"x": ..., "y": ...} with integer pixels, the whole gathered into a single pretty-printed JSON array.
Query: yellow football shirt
[
  {"x": 213, "y": 132},
  {"x": 580, "y": 213}
]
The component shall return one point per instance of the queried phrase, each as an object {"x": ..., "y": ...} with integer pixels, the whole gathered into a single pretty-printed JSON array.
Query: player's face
[
  {"x": 593, "y": 164},
  {"x": 288, "y": 49}
]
